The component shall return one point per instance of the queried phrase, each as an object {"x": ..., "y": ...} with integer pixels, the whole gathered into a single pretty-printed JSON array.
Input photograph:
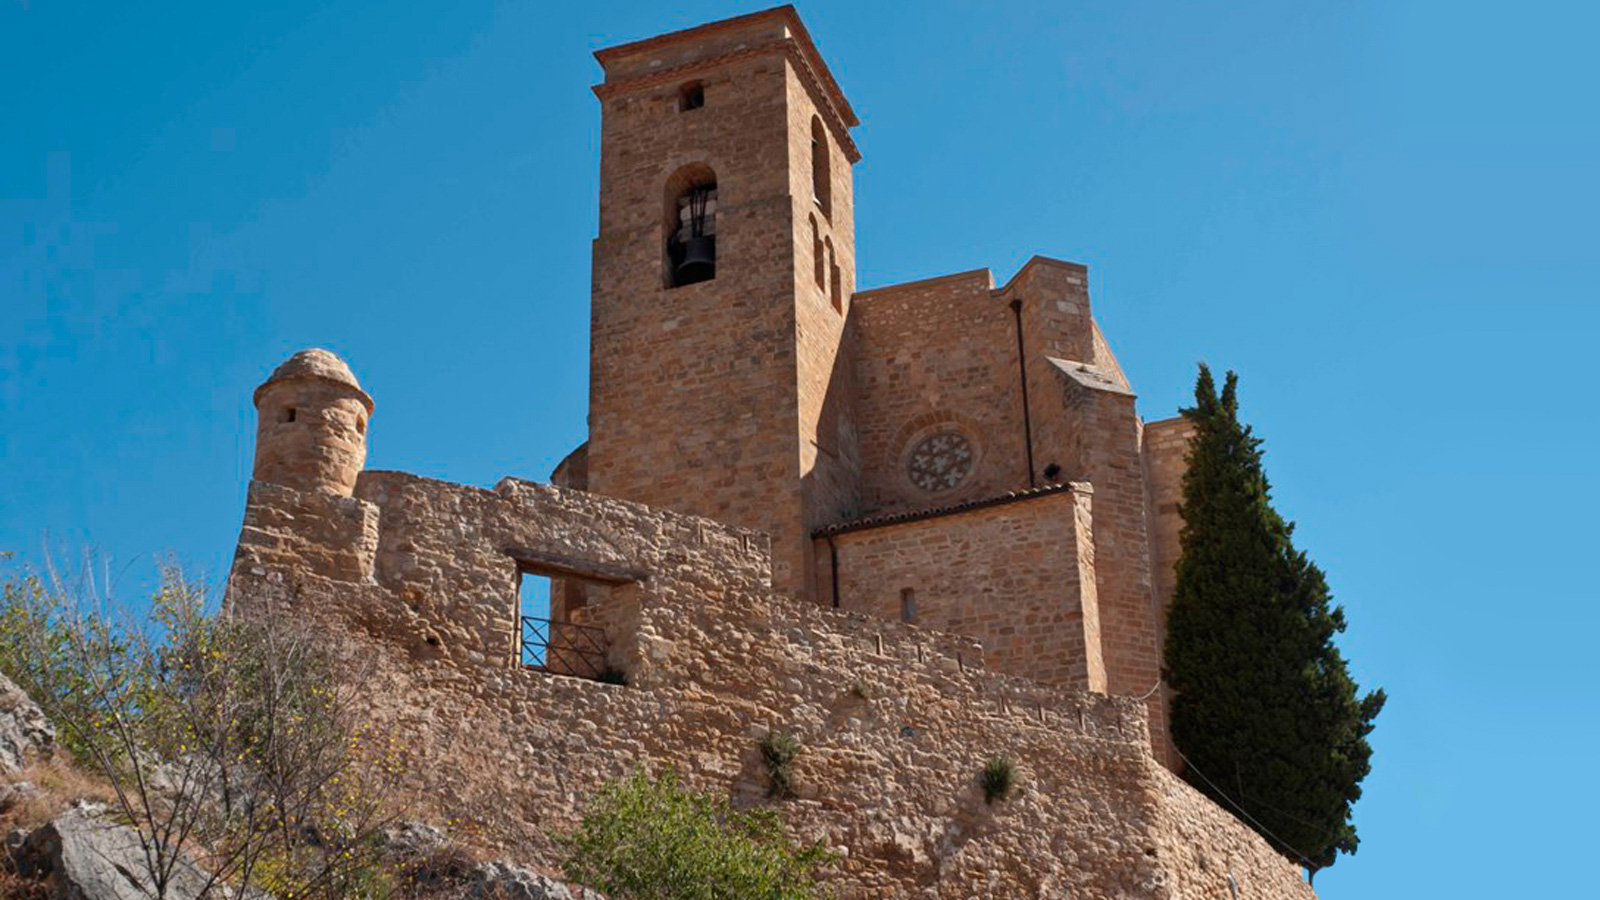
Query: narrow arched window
[
  {"x": 821, "y": 182},
  {"x": 828, "y": 264},
  {"x": 835, "y": 288},
  {"x": 818, "y": 263},
  {"x": 691, "y": 226}
]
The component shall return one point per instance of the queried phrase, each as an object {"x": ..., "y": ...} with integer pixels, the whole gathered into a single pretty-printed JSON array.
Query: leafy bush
[
  {"x": 999, "y": 777},
  {"x": 223, "y": 738},
  {"x": 40, "y": 651},
  {"x": 778, "y": 751},
  {"x": 654, "y": 839}
]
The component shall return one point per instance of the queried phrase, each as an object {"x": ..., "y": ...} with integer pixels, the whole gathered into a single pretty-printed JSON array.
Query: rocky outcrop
[
  {"x": 427, "y": 849},
  {"x": 26, "y": 736},
  {"x": 81, "y": 855},
  {"x": 500, "y": 880}
]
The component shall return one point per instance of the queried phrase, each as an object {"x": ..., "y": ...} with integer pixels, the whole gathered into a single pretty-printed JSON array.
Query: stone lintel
[{"x": 560, "y": 564}]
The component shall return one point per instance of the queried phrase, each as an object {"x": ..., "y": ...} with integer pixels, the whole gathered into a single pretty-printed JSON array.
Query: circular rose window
[{"x": 940, "y": 462}]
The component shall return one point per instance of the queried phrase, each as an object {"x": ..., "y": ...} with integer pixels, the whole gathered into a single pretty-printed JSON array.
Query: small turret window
[
  {"x": 287, "y": 415},
  {"x": 691, "y": 96}
]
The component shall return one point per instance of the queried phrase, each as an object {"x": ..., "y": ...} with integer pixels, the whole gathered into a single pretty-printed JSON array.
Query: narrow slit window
[
  {"x": 818, "y": 262},
  {"x": 908, "y": 605},
  {"x": 821, "y": 182}
]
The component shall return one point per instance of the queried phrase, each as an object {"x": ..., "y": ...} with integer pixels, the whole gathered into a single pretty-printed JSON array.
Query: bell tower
[{"x": 723, "y": 273}]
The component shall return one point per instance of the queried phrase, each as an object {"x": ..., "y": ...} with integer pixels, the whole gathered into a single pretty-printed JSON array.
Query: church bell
[{"x": 699, "y": 259}]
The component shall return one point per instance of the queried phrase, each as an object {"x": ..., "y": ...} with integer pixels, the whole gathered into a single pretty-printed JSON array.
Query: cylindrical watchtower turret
[{"x": 311, "y": 425}]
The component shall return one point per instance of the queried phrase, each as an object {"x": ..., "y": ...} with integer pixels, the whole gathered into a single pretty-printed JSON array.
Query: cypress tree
[{"x": 1266, "y": 714}]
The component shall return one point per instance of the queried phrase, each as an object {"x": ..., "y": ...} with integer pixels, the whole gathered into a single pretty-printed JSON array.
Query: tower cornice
[{"x": 795, "y": 44}]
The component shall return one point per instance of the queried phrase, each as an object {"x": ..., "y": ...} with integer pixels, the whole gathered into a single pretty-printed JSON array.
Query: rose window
[{"x": 941, "y": 462}]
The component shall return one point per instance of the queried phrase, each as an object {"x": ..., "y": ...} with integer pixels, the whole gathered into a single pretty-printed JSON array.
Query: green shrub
[
  {"x": 653, "y": 839},
  {"x": 778, "y": 751},
  {"x": 226, "y": 738},
  {"x": 999, "y": 777},
  {"x": 43, "y": 640}
]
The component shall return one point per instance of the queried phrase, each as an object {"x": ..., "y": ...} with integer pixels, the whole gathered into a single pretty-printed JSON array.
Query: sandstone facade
[
  {"x": 919, "y": 526},
  {"x": 896, "y": 721},
  {"x": 776, "y": 397}
]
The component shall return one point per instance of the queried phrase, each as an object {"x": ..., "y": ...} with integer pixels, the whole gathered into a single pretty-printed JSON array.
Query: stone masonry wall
[
  {"x": 1165, "y": 448},
  {"x": 1055, "y": 309},
  {"x": 1166, "y": 444},
  {"x": 451, "y": 553},
  {"x": 895, "y": 721},
  {"x": 313, "y": 531},
  {"x": 930, "y": 356},
  {"x": 829, "y": 461},
  {"x": 716, "y": 398},
  {"x": 1017, "y": 577},
  {"x": 1103, "y": 431}
]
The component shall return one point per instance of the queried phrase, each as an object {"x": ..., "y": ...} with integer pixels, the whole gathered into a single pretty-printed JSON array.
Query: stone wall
[
  {"x": 1166, "y": 446},
  {"x": 726, "y": 398},
  {"x": 310, "y": 531},
  {"x": 1018, "y": 577},
  {"x": 1103, "y": 432},
  {"x": 896, "y": 721},
  {"x": 824, "y": 281},
  {"x": 931, "y": 356},
  {"x": 693, "y": 398}
]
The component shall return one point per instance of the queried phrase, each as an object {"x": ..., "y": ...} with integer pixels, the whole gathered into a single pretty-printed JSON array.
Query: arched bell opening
[{"x": 691, "y": 226}]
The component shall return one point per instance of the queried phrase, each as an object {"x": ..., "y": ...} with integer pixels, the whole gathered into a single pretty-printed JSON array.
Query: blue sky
[{"x": 1380, "y": 214}]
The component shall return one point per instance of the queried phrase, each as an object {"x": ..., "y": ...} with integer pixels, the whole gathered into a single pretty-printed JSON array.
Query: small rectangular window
[
  {"x": 554, "y": 633},
  {"x": 908, "y": 605},
  {"x": 691, "y": 96}
]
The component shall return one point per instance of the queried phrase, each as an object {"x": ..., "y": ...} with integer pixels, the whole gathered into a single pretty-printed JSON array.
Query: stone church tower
[
  {"x": 948, "y": 452},
  {"x": 722, "y": 275}
]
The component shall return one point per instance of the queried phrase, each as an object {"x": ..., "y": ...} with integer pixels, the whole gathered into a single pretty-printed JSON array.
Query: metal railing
[{"x": 565, "y": 648}]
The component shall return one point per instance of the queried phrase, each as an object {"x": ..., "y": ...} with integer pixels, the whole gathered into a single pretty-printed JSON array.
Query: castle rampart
[
  {"x": 417, "y": 578},
  {"x": 895, "y": 720},
  {"x": 919, "y": 526}
]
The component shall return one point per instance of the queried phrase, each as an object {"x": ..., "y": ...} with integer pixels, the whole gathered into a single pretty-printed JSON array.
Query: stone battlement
[{"x": 896, "y": 721}]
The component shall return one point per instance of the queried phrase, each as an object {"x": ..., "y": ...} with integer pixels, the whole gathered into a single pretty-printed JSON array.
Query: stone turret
[{"x": 311, "y": 425}]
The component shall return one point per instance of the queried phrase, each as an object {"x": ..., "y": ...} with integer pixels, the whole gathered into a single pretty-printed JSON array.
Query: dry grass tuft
[{"x": 57, "y": 787}]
